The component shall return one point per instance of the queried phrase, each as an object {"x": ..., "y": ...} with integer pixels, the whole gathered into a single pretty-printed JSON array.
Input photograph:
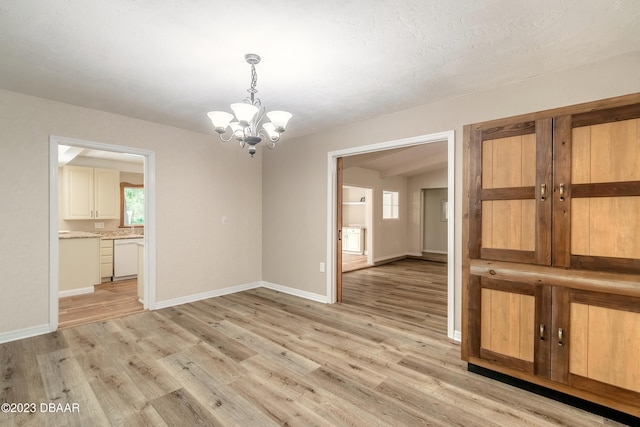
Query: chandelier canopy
[{"x": 244, "y": 123}]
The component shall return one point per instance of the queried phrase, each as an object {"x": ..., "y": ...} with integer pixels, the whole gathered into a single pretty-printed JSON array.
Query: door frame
[
  {"x": 149, "y": 219},
  {"x": 332, "y": 225}
]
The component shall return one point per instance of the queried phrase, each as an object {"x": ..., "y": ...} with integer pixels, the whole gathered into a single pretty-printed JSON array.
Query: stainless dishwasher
[{"x": 125, "y": 258}]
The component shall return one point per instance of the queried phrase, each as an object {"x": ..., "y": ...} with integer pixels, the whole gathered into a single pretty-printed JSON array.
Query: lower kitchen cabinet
[
  {"x": 578, "y": 341},
  {"x": 353, "y": 239},
  {"x": 106, "y": 259},
  {"x": 79, "y": 266}
]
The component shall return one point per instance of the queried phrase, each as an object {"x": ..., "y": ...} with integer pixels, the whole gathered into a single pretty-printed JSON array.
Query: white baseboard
[
  {"x": 197, "y": 297},
  {"x": 296, "y": 292},
  {"x": 24, "y": 333},
  {"x": 79, "y": 291},
  {"x": 435, "y": 251}
]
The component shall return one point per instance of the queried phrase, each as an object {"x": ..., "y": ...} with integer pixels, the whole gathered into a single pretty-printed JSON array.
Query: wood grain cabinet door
[
  {"x": 510, "y": 195},
  {"x": 510, "y": 324},
  {"x": 596, "y": 202},
  {"x": 599, "y": 350}
]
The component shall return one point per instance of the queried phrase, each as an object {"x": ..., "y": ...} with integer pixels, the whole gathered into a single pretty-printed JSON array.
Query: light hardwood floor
[
  {"x": 352, "y": 262},
  {"x": 109, "y": 300},
  {"x": 264, "y": 358}
]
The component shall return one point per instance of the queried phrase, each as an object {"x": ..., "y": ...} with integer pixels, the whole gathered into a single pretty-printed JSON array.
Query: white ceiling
[{"x": 328, "y": 62}]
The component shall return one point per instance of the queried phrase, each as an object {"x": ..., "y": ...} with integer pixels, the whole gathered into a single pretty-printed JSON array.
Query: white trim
[
  {"x": 79, "y": 291},
  {"x": 296, "y": 292},
  {"x": 205, "y": 295},
  {"x": 434, "y": 251},
  {"x": 54, "y": 269},
  {"x": 20, "y": 334},
  {"x": 332, "y": 157},
  {"x": 149, "y": 226},
  {"x": 392, "y": 257},
  {"x": 457, "y": 336}
]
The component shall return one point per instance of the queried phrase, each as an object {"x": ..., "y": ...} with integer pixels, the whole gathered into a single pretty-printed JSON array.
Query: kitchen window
[{"x": 131, "y": 204}]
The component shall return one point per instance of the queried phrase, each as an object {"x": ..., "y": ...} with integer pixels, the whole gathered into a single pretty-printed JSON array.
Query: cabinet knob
[
  {"x": 562, "y": 192},
  {"x": 541, "y": 331},
  {"x": 560, "y": 336},
  {"x": 543, "y": 192}
]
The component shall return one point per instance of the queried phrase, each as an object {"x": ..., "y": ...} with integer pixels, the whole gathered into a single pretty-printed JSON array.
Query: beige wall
[
  {"x": 198, "y": 180},
  {"x": 295, "y": 175}
]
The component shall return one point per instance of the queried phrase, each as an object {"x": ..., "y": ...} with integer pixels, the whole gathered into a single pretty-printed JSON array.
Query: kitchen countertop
[
  {"x": 76, "y": 235},
  {"x": 105, "y": 235},
  {"x": 119, "y": 234}
]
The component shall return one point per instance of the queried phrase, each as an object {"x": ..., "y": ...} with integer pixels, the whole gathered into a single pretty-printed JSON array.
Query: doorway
[
  {"x": 148, "y": 264},
  {"x": 334, "y": 229},
  {"x": 433, "y": 224}
]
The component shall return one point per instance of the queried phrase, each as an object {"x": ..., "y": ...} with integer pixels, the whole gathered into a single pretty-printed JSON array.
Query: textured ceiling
[{"x": 328, "y": 62}]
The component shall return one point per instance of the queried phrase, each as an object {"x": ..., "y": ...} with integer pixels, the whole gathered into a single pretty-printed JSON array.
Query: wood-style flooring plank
[{"x": 265, "y": 358}]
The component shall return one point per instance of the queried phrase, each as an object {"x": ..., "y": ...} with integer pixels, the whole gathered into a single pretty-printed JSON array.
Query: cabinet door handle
[
  {"x": 541, "y": 331},
  {"x": 560, "y": 336},
  {"x": 562, "y": 192},
  {"x": 543, "y": 192}
]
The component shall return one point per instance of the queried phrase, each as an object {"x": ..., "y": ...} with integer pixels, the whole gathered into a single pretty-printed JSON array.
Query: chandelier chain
[{"x": 254, "y": 81}]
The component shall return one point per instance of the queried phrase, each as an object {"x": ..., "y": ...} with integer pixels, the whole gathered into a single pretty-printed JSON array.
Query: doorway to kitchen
[{"x": 100, "y": 171}]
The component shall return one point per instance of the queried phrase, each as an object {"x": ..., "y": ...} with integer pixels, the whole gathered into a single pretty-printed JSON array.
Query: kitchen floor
[{"x": 109, "y": 301}]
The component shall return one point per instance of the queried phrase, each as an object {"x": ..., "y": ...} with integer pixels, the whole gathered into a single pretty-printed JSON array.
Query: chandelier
[{"x": 248, "y": 116}]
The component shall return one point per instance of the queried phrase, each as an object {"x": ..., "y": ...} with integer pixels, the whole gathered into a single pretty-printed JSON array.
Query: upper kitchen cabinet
[
  {"x": 90, "y": 193},
  {"x": 561, "y": 190}
]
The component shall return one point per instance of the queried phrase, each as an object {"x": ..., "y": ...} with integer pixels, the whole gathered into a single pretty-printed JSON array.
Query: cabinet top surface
[{"x": 76, "y": 235}]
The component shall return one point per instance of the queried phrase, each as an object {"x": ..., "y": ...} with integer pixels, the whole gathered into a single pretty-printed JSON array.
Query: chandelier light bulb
[
  {"x": 220, "y": 120},
  {"x": 245, "y": 113},
  {"x": 279, "y": 119}
]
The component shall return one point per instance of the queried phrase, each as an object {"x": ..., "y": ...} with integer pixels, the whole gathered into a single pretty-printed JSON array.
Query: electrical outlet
[
  {"x": 322, "y": 267},
  {"x": 225, "y": 219},
  {"x": 98, "y": 224}
]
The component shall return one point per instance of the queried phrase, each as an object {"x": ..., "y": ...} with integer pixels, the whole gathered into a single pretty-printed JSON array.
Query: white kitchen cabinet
[
  {"x": 353, "y": 239},
  {"x": 106, "y": 259},
  {"x": 79, "y": 265},
  {"x": 90, "y": 193}
]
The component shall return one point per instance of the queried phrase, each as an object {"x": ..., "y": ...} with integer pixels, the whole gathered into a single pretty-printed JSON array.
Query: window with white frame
[{"x": 390, "y": 205}]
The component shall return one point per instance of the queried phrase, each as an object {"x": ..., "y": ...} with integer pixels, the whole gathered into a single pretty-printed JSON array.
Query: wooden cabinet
[
  {"x": 562, "y": 191},
  {"x": 551, "y": 279},
  {"x": 106, "y": 259},
  {"x": 510, "y": 194},
  {"x": 90, "y": 193},
  {"x": 585, "y": 340}
]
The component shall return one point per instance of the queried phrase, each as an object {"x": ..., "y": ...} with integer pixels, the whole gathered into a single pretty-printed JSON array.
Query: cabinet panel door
[
  {"x": 597, "y": 190},
  {"x": 510, "y": 202},
  {"x": 510, "y": 323},
  {"x": 78, "y": 192},
  {"x": 602, "y": 344},
  {"x": 107, "y": 193}
]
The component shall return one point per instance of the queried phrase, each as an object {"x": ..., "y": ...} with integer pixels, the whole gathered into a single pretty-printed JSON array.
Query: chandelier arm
[
  {"x": 225, "y": 140},
  {"x": 269, "y": 142}
]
